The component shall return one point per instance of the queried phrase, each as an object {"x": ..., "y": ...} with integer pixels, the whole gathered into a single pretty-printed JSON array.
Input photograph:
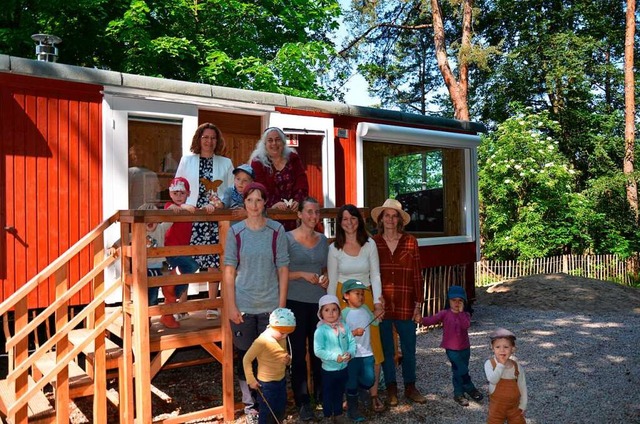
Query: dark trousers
[
  {"x": 361, "y": 374},
  {"x": 306, "y": 322},
  {"x": 272, "y": 400},
  {"x": 333, "y": 388},
  {"x": 407, "y": 333},
  {"x": 460, "y": 371}
]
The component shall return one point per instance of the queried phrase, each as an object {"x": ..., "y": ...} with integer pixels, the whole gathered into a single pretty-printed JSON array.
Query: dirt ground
[
  {"x": 188, "y": 389},
  {"x": 561, "y": 292}
]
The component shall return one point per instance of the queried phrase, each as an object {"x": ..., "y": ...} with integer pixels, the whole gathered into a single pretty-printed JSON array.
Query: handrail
[
  {"x": 61, "y": 333},
  {"x": 60, "y": 364},
  {"x": 32, "y": 284},
  {"x": 51, "y": 309}
]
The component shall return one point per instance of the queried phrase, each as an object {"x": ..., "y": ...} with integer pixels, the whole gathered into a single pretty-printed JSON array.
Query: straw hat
[{"x": 391, "y": 204}]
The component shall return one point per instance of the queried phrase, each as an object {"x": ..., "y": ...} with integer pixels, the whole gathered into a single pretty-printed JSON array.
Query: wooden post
[
  {"x": 62, "y": 348},
  {"x": 139, "y": 312},
  {"x": 100, "y": 352}
]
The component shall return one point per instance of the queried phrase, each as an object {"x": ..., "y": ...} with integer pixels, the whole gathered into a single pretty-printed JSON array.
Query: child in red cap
[{"x": 179, "y": 234}]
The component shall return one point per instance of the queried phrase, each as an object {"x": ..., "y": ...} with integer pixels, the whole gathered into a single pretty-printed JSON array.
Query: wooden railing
[
  {"x": 600, "y": 267},
  {"x": 17, "y": 346}
]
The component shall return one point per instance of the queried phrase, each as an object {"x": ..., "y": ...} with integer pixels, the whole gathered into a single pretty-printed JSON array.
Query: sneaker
[
  {"x": 251, "y": 418},
  {"x": 181, "y": 316},
  {"x": 307, "y": 413},
  {"x": 476, "y": 395},
  {"x": 169, "y": 321},
  {"x": 213, "y": 313},
  {"x": 461, "y": 400}
]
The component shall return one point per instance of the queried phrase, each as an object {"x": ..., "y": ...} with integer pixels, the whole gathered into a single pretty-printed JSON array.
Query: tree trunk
[
  {"x": 458, "y": 89},
  {"x": 629, "y": 108}
]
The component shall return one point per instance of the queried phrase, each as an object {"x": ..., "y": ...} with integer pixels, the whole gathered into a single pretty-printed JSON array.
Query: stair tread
[
  {"x": 78, "y": 336},
  {"x": 38, "y": 406},
  {"x": 77, "y": 376}
]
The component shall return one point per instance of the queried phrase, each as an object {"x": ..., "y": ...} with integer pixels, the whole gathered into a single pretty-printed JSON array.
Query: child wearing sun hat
[
  {"x": 270, "y": 350},
  {"x": 334, "y": 344},
  {"x": 507, "y": 381}
]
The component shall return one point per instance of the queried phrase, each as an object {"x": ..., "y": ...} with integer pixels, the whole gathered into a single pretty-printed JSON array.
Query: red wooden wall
[{"x": 50, "y": 177}]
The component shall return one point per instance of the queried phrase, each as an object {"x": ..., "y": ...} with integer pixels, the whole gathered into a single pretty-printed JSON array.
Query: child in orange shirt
[{"x": 270, "y": 349}]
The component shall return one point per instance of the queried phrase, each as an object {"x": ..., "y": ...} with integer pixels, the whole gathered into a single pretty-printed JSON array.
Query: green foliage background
[{"x": 546, "y": 78}]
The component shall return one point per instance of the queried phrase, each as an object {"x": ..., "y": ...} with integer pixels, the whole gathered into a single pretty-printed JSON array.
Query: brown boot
[
  {"x": 412, "y": 393},
  {"x": 392, "y": 394}
]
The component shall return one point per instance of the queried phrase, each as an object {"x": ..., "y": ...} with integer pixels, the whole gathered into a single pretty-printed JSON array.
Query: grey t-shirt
[
  {"x": 257, "y": 288},
  {"x": 304, "y": 259}
]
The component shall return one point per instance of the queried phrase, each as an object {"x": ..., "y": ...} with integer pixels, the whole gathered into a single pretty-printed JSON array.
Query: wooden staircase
[{"x": 97, "y": 342}]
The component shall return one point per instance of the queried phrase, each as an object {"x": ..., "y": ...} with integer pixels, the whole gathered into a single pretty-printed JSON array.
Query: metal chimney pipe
[{"x": 46, "y": 50}]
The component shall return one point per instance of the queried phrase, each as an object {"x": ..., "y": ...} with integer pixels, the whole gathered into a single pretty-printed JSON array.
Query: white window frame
[
  {"x": 297, "y": 124},
  {"x": 367, "y": 131}
]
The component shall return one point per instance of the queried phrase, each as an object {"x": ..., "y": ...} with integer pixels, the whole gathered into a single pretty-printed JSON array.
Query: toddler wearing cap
[
  {"x": 270, "y": 350},
  {"x": 178, "y": 235},
  {"x": 359, "y": 318},
  {"x": 232, "y": 197},
  {"x": 507, "y": 381},
  {"x": 455, "y": 340},
  {"x": 334, "y": 344}
]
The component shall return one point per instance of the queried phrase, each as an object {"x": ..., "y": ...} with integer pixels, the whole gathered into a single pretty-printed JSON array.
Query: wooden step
[
  {"x": 39, "y": 408},
  {"x": 113, "y": 351},
  {"x": 80, "y": 384}
]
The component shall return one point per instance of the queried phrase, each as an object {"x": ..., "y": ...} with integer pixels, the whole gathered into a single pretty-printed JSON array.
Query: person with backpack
[{"x": 255, "y": 279}]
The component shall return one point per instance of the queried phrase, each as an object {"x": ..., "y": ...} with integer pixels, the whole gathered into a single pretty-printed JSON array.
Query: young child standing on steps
[
  {"x": 178, "y": 235},
  {"x": 334, "y": 344},
  {"x": 359, "y": 318},
  {"x": 270, "y": 349},
  {"x": 507, "y": 381},
  {"x": 455, "y": 340}
]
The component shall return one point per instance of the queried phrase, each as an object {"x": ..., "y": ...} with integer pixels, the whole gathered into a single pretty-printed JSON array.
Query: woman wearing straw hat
[{"x": 403, "y": 292}]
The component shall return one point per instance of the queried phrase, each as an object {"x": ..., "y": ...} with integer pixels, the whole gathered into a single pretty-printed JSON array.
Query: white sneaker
[
  {"x": 181, "y": 316},
  {"x": 213, "y": 313}
]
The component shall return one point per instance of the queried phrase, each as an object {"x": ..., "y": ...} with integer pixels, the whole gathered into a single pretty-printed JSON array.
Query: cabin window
[
  {"x": 430, "y": 172},
  {"x": 154, "y": 153}
]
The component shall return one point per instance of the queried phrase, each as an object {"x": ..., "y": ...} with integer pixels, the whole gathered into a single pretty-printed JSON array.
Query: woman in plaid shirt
[{"x": 403, "y": 293}]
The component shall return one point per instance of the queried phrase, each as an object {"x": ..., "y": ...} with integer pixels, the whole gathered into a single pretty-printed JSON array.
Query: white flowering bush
[{"x": 528, "y": 207}]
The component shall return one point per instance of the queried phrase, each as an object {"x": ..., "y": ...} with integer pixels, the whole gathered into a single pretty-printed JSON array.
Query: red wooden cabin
[{"x": 66, "y": 133}]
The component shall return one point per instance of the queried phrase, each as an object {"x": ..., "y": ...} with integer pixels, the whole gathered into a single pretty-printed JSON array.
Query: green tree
[
  {"x": 528, "y": 206},
  {"x": 410, "y": 50},
  {"x": 267, "y": 45}
]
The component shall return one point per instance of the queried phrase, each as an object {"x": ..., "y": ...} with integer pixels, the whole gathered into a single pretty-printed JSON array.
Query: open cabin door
[{"x": 313, "y": 140}]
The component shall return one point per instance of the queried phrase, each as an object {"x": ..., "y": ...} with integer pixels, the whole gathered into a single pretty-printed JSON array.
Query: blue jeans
[
  {"x": 361, "y": 374},
  {"x": 407, "y": 332},
  {"x": 333, "y": 387},
  {"x": 184, "y": 265},
  {"x": 272, "y": 399},
  {"x": 460, "y": 371},
  {"x": 153, "y": 291}
]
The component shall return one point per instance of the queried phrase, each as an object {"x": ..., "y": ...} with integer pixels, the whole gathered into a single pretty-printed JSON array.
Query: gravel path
[
  {"x": 578, "y": 340},
  {"x": 581, "y": 368}
]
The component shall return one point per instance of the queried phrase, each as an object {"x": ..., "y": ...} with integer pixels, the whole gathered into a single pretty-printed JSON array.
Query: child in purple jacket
[{"x": 455, "y": 340}]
